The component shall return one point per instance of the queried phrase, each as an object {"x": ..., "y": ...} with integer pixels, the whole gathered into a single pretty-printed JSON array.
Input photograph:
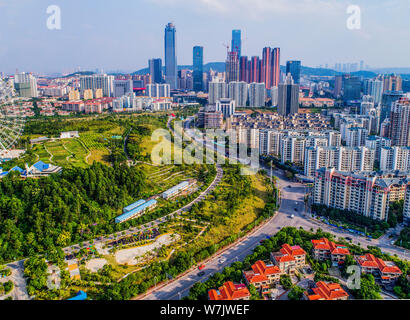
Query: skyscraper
[
  {"x": 388, "y": 98},
  {"x": 266, "y": 76},
  {"x": 198, "y": 66},
  {"x": 257, "y": 95},
  {"x": 236, "y": 42},
  {"x": 155, "y": 70},
  {"x": 288, "y": 100},
  {"x": 351, "y": 88},
  {"x": 170, "y": 56},
  {"x": 26, "y": 85},
  {"x": 275, "y": 67},
  {"x": 238, "y": 91},
  {"x": 243, "y": 69},
  {"x": 255, "y": 69},
  {"x": 293, "y": 67},
  {"x": 232, "y": 67}
]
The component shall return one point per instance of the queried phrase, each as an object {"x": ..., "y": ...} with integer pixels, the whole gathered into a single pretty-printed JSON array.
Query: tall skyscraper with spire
[
  {"x": 236, "y": 43},
  {"x": 170, "y": 56}
]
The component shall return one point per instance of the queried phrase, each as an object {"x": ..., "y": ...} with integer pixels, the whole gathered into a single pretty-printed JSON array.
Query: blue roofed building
[
  {"x": 133, "y": 206},
  {"x": 41, "y": 168},
  {"x": 136, "y": 212}
]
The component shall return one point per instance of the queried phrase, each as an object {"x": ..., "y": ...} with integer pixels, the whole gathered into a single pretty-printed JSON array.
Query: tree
[
  {"x": 285, "y": 281},
  {"x": 296, "y": 293},
  {"x": 369, "y": 289}
]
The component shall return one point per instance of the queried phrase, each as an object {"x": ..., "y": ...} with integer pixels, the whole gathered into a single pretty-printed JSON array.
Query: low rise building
[
  {"x": 324, "y": 249},
  {"x": 326, "y": 291},
  {"x": 289, "y": 258},
  {"x": 385, "y": 271},
  {"x": 262, "y": 274},
  {"x": 230, "y": 291}
]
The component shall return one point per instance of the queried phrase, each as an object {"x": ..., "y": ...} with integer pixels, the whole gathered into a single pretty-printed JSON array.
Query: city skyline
[{"x": 101, "y": 40}]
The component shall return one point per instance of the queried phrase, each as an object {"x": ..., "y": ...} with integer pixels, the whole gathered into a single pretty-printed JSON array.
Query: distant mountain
[
  {"x": 216, "y": 66},
  {"x": 79, "y": 73},
  {"x": 392, "y": 70}
]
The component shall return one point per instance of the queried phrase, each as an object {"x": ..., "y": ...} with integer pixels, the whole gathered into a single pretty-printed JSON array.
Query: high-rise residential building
[
  {"x": 288, "y": 101},
  {"x": 400, "y": 123},
  {"x": 25, "y": 85},
  {"x": 171, "y": 66},
  {"x": 377, "y": 143},
  {"x": 243, "y": 69},
  {"x": 388, "y": 98},
  {"x": 210, "y": 118},
  {"x": 255, "y": 69},
  {"x": 366, "y": 193},
  {"x": 275, "y": 67},
  {"x": 356, "y": 136},
  {"x": 155, "y": 70},
  {"x": 236, "y": 43},
  {"x": 238, "y": 91},
  {"x": 406, "y": 206},
  {"x": 158, "y": 90},
  {"x": 374, "y": 88},
  {"x": 198, "y": 66},
  {"x": 392, "y": 83},
  {"x": 340, "y": 158},
  {"x": 98, "y": 81},
  {"x": 293, "y": 67},
  {"x": 232, "y": 67},
  {"x": 257, "y": 95},
  {"x": 395, "y": 158},
  {"x": 226, "y": 106},
  {"x": 122, "y": 87},
  {"x": 266, "y": 70},
  {"x": 216, "y": 91}
]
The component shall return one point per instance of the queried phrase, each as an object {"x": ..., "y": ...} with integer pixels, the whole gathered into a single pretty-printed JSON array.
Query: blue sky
[{"x": 124, "y": 34}]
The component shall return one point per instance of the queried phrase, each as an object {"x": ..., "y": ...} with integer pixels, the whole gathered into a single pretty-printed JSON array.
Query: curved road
[{"x": 292, "y": 197}]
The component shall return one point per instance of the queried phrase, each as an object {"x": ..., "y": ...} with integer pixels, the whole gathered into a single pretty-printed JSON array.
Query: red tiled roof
[
  {"x": 334, "y": 248},
  {"x": 327, "y": 291},
  {"x": 260, "y": 271},
  {"x": 370, "y": 261},
  {"x": 229, "y": 291}
]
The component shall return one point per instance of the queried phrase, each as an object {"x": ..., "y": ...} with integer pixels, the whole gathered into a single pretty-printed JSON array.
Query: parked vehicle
[{"x": 200, "y": 274}]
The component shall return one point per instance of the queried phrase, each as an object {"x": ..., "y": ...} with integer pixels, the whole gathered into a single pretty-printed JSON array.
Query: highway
[{"x": 292, "y": 197}]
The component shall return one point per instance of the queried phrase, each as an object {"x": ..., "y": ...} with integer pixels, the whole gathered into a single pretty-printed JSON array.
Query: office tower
[
  {"x": 232, "y": 67},
  {"x": 374, "y": 88},
  {"x": 364, "y": 193},
  {"x": 395, "y": 158},
  {"x": 399, "y": 132},
  {"x": 266, "y": 70},
  {"x": 198, "y": 66},
  {"x": 255, "y": 70},
  {"x": 25, "y": 85},
  {"x": 293, "y": 67},
  {"x": 170, "y": 56},
  {"x": 338, "y": 86},
  {"x": 257, "y": 94},
  {"x": 122, "y": 87},
  {"x": 236, "y": 42},
  {"x": 388, "y": 98},
  {"x": 155, "y": 70},
  {"x": 226, "y": 106},
  {"x": 243, "y": 69},
  {"x": 98, "y": 81},
  {"x": 238, "y": 91},
  {"x": 288, "y": 101},
  {"x": 216, "y": 91},
  {"x": 275, "y": 67},
  {"x": 274, "y": 93},
  {"x": 158, "y": 90},
  {"x": 351, "y": 88}
]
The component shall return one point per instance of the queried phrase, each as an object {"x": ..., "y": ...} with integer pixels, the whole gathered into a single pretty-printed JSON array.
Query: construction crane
[{"x": 226, "y": 46}]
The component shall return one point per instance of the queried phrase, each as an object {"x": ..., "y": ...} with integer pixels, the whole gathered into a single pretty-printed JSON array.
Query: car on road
[
  {"x": 348, "y": 238},
  {"x": 202, "y": 266},
  {"x": 296, "y": 209},
  {"x": 289, "y": 186},
  {"x": 292, "y": 216},
  {"x": 200, "y": 274},
  {"x": 222, "y": 260}
]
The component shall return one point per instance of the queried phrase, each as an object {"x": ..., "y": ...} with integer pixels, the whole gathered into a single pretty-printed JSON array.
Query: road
[{"x": 292, "y": 203}]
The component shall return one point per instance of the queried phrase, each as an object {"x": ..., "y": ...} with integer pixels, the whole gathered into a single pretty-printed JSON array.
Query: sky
[{"x": 123, "y": 34}]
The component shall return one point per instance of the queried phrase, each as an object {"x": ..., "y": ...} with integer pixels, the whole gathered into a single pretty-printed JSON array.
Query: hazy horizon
[{"x": 123, "y": 35}]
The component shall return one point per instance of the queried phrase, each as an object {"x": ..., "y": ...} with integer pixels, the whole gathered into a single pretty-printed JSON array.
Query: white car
[
  {"x": 292, "y": 216},
  {"x": 222, "y": 260}
]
